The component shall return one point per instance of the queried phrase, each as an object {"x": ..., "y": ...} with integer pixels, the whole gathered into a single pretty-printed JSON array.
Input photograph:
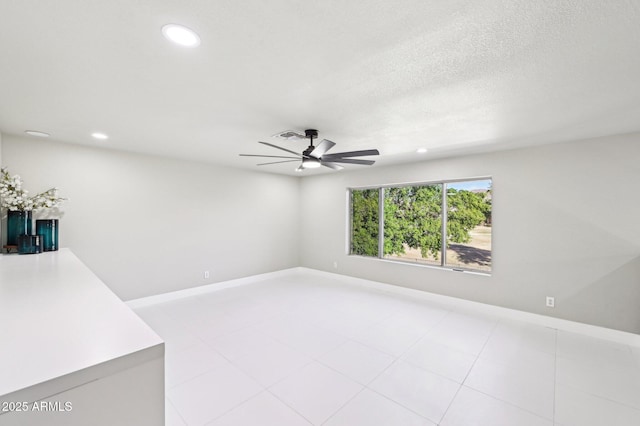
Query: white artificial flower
[{"x": 14, "y": 198}]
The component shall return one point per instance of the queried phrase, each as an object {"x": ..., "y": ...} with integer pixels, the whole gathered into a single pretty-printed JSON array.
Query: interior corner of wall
[{"x": 1, "y": 225}]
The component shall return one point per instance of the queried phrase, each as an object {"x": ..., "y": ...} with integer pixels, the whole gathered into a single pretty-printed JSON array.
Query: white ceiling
[{"x": 452, "y": 76}]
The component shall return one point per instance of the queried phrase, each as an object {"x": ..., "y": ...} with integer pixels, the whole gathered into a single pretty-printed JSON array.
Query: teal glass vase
[
  {"x": 29, "y": 244},
  {"x": 18, "y": 223},
  {"x": 47, "y": 229}
]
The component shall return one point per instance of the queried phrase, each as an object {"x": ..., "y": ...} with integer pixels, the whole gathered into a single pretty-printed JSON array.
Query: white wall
[
  {"x": 566, "y": 224},
  {"x": 148, "y": 225}
]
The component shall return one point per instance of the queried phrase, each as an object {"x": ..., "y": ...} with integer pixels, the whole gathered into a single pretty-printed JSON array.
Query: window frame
[{"x": 443, "y": 227}]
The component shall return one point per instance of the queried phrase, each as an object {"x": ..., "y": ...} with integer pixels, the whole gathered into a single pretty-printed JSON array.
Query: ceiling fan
[{"x": 316, "y": 156}]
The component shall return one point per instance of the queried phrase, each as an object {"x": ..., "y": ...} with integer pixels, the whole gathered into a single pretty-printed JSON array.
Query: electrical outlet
[
  {"x": 335, "y": 264},
  {"x": 205, "y": 275},
  {"x": 551, "y": 302}
]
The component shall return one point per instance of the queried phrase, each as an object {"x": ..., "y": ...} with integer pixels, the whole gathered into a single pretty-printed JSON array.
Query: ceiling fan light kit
[
  {"x": 310, "y": 163},
  {"x": 315, "y": 156}
]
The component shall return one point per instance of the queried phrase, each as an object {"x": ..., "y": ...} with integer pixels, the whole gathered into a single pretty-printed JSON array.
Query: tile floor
[{"x": 308, "y": 350}]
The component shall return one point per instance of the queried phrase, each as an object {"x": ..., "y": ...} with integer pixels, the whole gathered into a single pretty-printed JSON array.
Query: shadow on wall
[{"x": 613, "y": 298}]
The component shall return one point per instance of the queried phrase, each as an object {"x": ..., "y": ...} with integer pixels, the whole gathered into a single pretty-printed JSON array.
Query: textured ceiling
[{"x": 452, "y": 76}]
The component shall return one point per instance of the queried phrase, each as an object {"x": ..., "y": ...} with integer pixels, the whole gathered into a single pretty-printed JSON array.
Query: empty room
[{"x": 289, "y": 213}]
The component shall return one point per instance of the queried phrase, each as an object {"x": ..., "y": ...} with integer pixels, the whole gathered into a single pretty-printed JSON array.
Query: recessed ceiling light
[
  {"x": 100, "y": 136},
  {"x": 181, "y": 35},
  {"x": 421, "y": 150},
  {"x": 37, "y": 133}
]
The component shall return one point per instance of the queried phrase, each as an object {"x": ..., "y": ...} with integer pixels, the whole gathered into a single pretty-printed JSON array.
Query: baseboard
[
  {"x": 208, "y": 288},
  {"x": 609, "y": 334},
  {"x": 451, "y": 302}
]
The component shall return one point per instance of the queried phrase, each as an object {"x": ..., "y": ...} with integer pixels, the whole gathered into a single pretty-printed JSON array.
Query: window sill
[{"x": 425, "y": 265}]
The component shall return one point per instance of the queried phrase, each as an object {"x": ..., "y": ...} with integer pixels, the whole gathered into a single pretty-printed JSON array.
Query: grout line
[
  {"x": 346, "y": 403},
  {"x": 236, "y": 406},
  {"x": 168, "y": 401},
  {"x": 510, "y": 404},
  {"x": 288, "y": 406},
  {"x": 495, "y": 325},
  {"x": 400, "y": 404},
  {"x": 399, "y": 357},
  {"x": 604, "y": 398}
]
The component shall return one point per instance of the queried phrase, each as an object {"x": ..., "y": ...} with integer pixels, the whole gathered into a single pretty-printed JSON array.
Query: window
[
  {"x": 408, "y": 223},
  {"x": 413, "y": 223},
  {"x": 364, "y": 222}
]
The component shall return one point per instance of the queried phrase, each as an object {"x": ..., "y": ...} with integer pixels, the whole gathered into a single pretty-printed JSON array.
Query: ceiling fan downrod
[{"x": 308, "y": 161}]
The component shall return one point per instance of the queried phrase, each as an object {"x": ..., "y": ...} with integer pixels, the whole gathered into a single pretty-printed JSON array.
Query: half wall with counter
[{"x": 71, "y": 352}]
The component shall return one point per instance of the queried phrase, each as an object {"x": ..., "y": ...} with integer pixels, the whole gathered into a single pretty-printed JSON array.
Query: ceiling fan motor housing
[{"x": 311, "y": 134}]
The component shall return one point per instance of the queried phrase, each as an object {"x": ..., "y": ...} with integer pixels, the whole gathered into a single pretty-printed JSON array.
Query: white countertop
[{"x": 57, "y": 319}]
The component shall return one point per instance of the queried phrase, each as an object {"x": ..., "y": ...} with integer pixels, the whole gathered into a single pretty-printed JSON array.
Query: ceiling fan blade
[
  {"x": 278, "y": 162},
  {"x": 322, "y": 147},
  {"x": 267, "y": 156},
  {"x": 353, "y": 161},
  {"x": 362, "y": 153},
  {"x": 332, "y": 166},
  {"x": 281, "y": 148}
]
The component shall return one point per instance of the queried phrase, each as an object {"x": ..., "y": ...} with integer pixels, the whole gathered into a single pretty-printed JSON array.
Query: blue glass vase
[
  {"x": 18, "y": 223},
  {"x": 47, "y": 229}
]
